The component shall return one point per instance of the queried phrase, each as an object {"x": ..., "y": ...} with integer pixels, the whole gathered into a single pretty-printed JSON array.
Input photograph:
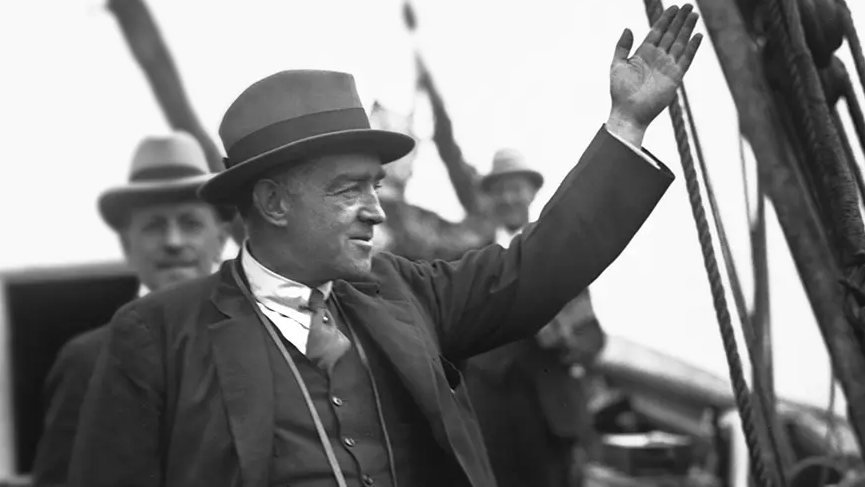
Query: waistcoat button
[
  {"x": 337, "y": 401},
  {"x": 367, "y": 480},
  {"x": 349, "y": 441}
]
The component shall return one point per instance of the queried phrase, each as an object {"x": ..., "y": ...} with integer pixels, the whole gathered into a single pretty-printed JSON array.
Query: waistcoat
[{"x": 346, "y": 403}]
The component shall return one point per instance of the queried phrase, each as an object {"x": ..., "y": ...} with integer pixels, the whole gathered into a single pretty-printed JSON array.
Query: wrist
[{"x": 626, "y": 129}]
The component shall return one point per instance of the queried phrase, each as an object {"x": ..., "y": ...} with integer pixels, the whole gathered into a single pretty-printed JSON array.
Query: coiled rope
[{"x": 742, "y": 395}]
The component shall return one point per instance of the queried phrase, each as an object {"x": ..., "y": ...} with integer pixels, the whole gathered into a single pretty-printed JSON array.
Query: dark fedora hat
[
  {"x": 291, "y": 116},
  {"x": 167, "y": 169}
]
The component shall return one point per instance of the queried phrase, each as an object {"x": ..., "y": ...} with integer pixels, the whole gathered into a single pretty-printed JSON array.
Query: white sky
[{"x": 531, "y": 75}]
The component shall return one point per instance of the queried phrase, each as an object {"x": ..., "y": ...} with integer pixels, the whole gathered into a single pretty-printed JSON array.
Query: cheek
[
  {"x": 323, "y": 227},
  {"x": 208, "y": 244},
  {"x": 143, "y": 249}
]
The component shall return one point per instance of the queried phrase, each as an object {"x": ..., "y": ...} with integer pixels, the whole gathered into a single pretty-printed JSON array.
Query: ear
[
  {"x": 224, "y": 233},
  {"x": 270, "y": 200},
  {"x": 123, "y": 236}
]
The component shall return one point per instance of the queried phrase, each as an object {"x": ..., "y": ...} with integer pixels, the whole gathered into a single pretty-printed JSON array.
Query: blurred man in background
[
  {"x": 527, "y": 383},
  {"x": 532, "y": 410},
  {"x": 168, "y": 236}
]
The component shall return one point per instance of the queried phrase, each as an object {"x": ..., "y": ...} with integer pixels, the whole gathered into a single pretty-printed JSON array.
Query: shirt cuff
[{"x": 635, "y": 149}]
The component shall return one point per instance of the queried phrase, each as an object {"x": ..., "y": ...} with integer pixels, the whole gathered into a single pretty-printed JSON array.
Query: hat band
[
  {"x": 295, "y": 129},
  {"x": 162, "y": 173}
]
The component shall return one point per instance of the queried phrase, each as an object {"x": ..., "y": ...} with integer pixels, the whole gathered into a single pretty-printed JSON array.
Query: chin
[
  {"x": 516, "y": 223},
  {"x": 357, "y": 270},
  {"x": 175, "y": 277}
]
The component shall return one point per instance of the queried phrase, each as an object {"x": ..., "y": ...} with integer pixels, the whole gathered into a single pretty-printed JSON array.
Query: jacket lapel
[
  {"x": 389, "y": 323},
  {"x": 243, "y": 368}
]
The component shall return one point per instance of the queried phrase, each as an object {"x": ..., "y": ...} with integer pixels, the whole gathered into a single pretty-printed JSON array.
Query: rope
[
  {"x": 830, "y": 178},
  {"x": 848, "y": 149},
  {"x": 814, "y": 127},
  {"x": 836, "y": 85},
  {"x": 742, "y": 395},
  {"x": 760, "y": 390},
  {"x": 853, "y": 40}
]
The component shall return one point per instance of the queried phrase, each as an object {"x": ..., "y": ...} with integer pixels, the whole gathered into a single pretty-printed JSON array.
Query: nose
[
  {"x": 511, "y": 197},
  {"x": 173, "y": 236},
  {"x": 372, "y": 212}
]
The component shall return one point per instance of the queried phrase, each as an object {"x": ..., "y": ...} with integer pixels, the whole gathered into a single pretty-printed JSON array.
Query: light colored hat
[
  {"x": 509, "y": 162},
  {"x": 288, "y": 117},
  {"x": 164, "y": 169}
]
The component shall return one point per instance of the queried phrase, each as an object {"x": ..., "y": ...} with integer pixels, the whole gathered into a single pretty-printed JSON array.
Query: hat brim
[
  {"x": 535, "y": 177},
  {"x": 227, "y": 187},
  {"x": 116, "y": 203}
]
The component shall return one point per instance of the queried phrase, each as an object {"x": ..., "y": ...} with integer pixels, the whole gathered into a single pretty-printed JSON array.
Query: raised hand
[{"x": 643, "y": 85}]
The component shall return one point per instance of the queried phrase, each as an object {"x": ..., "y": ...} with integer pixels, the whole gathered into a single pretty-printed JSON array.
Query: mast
[{"x": 738, "y": 54}]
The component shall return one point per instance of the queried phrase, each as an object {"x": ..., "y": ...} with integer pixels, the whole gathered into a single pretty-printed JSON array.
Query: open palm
[{"x": 643, "y": 85}]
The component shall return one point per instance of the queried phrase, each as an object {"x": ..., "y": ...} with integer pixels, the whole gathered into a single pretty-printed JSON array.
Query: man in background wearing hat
[
  {"x": 309, "y": 361},
  {"x": 168, "y": 236},
  {"x": 532, "y": 412}
]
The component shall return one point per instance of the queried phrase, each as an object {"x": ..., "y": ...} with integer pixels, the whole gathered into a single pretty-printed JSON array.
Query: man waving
[{"x": 311, "y": 361}]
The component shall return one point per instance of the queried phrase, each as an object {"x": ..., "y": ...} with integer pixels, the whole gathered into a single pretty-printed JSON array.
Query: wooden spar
[
  {"x": 737, "y": 54},
  {"x": 760, "y": 318},
  {"x": 149, "y": 50}
]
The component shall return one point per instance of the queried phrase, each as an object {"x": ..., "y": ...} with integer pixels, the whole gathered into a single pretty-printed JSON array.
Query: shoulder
[
  {"x": 84, "y": 345},
  {"x": 151, "y": 321},
  {"x": 183, "y": 298},
  {"x": 391, "y": 270},
  {"x": 78, "y": 356}
]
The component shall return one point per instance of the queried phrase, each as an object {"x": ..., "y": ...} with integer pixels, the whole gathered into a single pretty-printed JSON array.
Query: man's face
[
  {"x": 512, "y": 196},
  {"x": 333, "y": 207},
  {"x": 170, "y": 243}
]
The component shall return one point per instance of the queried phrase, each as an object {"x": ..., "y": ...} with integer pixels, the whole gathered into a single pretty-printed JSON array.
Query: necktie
[{"x": 325, "y": 344}]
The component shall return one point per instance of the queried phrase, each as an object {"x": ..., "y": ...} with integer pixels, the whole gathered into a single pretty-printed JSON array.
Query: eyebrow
[{"x": 357, "y": 178}]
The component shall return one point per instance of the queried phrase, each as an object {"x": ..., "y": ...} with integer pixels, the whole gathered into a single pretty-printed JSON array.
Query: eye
[
  {"x": 152, "y": 226},
  {"x": 191, "y": 224},
  {"x": 350, "y": 189}
]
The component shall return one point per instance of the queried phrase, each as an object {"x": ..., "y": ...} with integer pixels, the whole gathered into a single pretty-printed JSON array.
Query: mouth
[
  {"x": 364, "y": 241},
  {"x": 176, "y": 265}
]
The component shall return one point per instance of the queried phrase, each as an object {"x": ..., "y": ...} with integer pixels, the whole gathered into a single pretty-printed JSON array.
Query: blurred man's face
[
  {"x": 512, "y": 196},
  {"x": 170, "y": 243}
]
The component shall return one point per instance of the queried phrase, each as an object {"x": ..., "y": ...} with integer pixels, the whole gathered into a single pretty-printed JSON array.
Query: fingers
[
  {"x": 675, "y": 28},
  {"x": 684, "y": 36},
  {"x": 684, "y": 62},
  {"x": 657, "y": 31},
  {"x": 623, "y": 47}
]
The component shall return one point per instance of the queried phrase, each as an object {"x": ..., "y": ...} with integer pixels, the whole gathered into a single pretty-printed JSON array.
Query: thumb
[{"x": 623, "y": 47}]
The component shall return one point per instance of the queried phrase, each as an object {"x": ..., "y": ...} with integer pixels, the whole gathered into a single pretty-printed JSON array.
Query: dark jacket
[
  {"x": 64, "y": 394},
  {"x": 183, "y": 371}
]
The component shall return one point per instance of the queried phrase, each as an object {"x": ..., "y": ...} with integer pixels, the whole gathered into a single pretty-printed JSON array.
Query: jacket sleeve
[
  {"x": 494, "y": 296},
  {"x": 464, "y": 177},
  {"x": 126, "y": 393}
]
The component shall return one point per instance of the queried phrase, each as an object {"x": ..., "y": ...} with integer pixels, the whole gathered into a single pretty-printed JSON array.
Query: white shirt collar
[
  {"x": 273, "y": 290},
  {"x": 143, "y": 291},
  {"x": 504, "y": 236}
]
